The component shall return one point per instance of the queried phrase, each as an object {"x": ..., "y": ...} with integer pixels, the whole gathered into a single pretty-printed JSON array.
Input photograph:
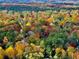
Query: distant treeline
[{"x": 32, "y": 8}]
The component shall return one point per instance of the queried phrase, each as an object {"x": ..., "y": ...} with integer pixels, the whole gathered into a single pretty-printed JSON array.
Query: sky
[{"x": 42, "y": 1}]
